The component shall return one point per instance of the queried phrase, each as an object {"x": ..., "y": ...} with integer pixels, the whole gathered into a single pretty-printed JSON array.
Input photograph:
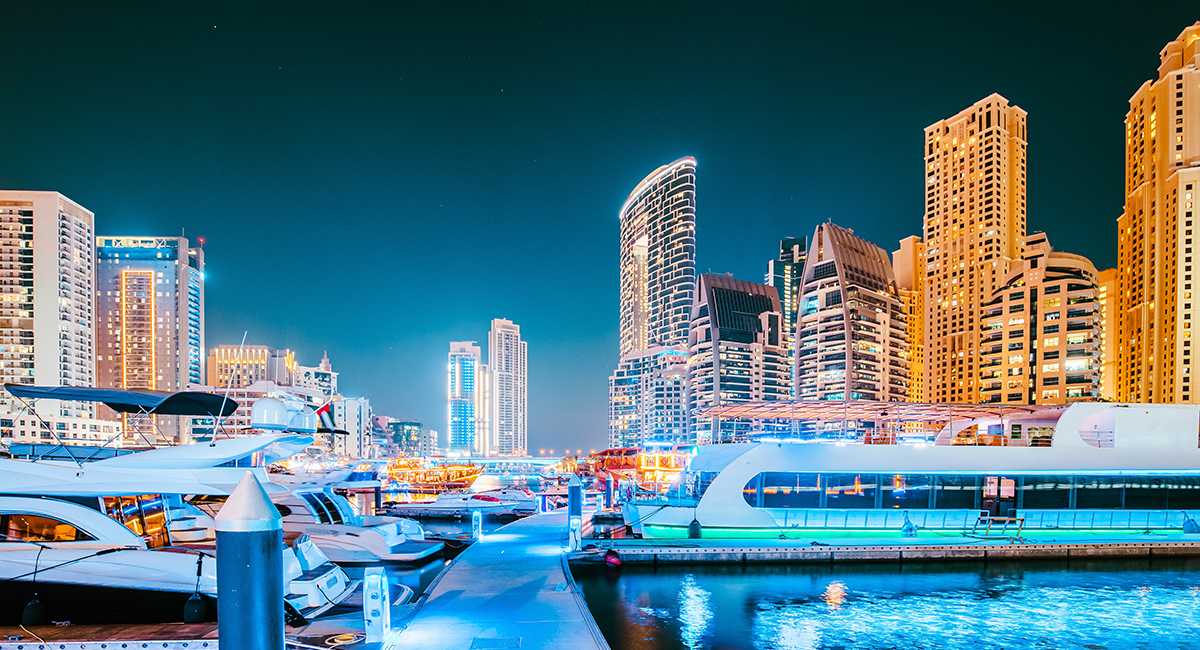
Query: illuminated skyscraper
[
  {"x": 46, "y": 322},
  {"x": 735, "y": 354},
  {"x": 851, "y": 336},
  {"x": 658, "y": 257},
  {"x": 974, "y": 230},
  {"x": 785, "y": 274},
  {"x": 1155, "y": 303},
  {"x": 464, "y": 397},
  {"x": 909, "y": 266},
  {"x": 150, "y": 329},
  {"x": 238, "y": 366},
  {"x": 1041, "y": 330},
  {"x": 507, "y": 355}
]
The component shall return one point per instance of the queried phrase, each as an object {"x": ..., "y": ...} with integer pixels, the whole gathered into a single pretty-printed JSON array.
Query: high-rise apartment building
[
  {"x": 507, "y": 364},
  {"x": 785, "y": 274},
  {"x": 352, "y": 415},
  {"x": 851, "y": 337},
  {"x": 909, "y": 265},
  {"x": 735, "y": 354},
  {"x": 1040, "y": 339},
  {"x": 465, "y": 373},
  {"x": 407, "y": 436},
  {"x": 658, "y": 257},
  {"x": 1107, "y": 297},
  {"x": 647, "y": 398},
  {"x": 149, "y": 322},
  {"x": 1155, "y": 302},
  {"x": 974, "y": 229},
  {"x": 46, "y": 323},
  {"x": 239, "y": 366}
]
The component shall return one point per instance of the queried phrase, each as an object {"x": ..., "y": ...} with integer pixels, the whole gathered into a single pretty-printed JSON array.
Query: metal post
[
  {"x": 476, "y": 525},
  {"x": 249, "y": 570},
  {"x": 575, "y": 512},
  {"x": 377, "y": 617},
  {"x": 378, "y": 498},
  {"x": 608, "y": 491}
]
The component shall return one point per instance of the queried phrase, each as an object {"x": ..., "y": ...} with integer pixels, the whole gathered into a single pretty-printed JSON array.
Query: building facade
[
  {"x": 149, "y": 323},
  {"x": 909, "y": 265},
  {"x": 352, "y": 415},
  {"x": 1041, "y": 330},
  {"x": 786, "y": 275},
  {"x": 735, "y": 354},
  {"x": 647, "y": 398},
  {"x": 507, "y": 390},
  {"x": 238, "y": 366},
  {"x": 1107, "y": 297},
  {"x": 974, "y": 229},
  {"x": 321, "y": 377},
  {"x": 658, "y": 258},
  {"x": 465, "y": 372},
  {"x": 852, "y": 339},
  {"x": 1155, "y": 303},
  {"x": 406, "y": 435},
  {"x": 46, "y": 322}
]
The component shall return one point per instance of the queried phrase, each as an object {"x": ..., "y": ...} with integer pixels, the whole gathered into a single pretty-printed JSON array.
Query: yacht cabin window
[{"x": 36, "y": 528}]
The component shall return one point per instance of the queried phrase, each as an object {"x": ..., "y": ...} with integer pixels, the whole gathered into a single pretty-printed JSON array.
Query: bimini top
[
  {"x": 133, "y": 401},
  {"x": 855, "y": 409}
]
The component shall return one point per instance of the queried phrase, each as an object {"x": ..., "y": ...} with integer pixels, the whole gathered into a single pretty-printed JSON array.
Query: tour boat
[{"x": 1083, "y": 467}]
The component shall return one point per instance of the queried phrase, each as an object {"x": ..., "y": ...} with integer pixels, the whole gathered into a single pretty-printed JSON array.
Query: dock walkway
[{"x": 509, "y": 590}]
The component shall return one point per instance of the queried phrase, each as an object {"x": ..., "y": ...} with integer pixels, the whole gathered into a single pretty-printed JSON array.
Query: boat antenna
[{"x": 212, "y": 441}]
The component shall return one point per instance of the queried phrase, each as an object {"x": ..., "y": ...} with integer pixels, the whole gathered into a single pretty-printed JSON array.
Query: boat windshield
[{"x": 36, "y": 528}]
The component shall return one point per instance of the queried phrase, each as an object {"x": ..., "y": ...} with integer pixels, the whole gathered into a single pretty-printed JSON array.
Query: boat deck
[{"x": 509, "y": 590}]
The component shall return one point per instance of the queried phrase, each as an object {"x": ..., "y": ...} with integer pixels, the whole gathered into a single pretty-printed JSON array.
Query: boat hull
[{"x": 94, "y": 605}]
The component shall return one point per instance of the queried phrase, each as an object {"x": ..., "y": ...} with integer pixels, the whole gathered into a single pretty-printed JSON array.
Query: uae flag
[{"x": 325, "y": 414}]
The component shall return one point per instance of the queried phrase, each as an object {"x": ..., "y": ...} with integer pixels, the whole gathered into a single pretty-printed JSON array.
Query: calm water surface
[{"x": 1087, "y": 605}]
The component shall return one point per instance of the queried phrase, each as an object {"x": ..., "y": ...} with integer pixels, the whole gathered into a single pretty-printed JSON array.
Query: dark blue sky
[{"x": 380, "y": 181}]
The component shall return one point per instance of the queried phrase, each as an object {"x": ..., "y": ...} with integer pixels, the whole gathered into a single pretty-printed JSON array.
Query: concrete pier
[{"x": 511, "y": 590}]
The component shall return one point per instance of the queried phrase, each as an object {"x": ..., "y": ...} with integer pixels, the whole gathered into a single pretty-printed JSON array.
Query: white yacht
[
  {"x": 1082, "y": 467},
  {"x": 453, "y": 505},
  {"x": 86, "y": 567}
]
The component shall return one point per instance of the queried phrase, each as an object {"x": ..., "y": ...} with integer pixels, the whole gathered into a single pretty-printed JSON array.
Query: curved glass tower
[{"x": 658, "y": 258}]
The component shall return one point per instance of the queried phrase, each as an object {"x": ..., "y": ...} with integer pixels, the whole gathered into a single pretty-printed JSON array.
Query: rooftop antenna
[{"x": 212, "y": 441}]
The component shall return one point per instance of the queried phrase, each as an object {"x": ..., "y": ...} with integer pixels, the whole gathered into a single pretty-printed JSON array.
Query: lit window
[{"x": 1050, "y": 342}]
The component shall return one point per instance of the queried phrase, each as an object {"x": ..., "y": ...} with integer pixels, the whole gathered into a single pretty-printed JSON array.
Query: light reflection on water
[{"x": 1092, "y": 605}]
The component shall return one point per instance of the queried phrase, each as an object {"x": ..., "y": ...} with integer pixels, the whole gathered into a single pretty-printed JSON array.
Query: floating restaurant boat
[
  {"x": 414, "y": 475},
  {"x": 1082, "y": 467}
]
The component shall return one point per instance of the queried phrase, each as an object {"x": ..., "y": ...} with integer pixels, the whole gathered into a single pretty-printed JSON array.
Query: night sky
[{"x": 381, "y": 181}]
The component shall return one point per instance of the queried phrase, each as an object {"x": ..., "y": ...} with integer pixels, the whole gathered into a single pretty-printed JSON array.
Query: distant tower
[
  {"x": 658, "y": 257},
  {"x": 974, "y": 231},
  {"x": 507, "y": 358},
  {"x": 1155, "y": 303},
  {"x": 785, "y": 275},
  {"x": 464, "y": 371},
  {"x": 909, "y": 265}
]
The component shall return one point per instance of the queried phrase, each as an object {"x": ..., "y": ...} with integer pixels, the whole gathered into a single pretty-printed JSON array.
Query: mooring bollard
[
  {"x": 377, "y": 616},
  {"x": 608, "y": 491},
  {"x": 249, "y": 570},
  {"x": 575, "y": 513},
  {"x": 378, "y": 499},
  {"x": 477, "y": 525}
]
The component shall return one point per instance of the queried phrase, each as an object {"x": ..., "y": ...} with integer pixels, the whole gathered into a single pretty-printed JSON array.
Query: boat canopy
[
  {"x": 134, "y": 401},
  {"x": 857, "y": 409}
]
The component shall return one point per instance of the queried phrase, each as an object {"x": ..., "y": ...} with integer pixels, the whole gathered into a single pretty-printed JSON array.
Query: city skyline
[{"x": 158, "y": 159}]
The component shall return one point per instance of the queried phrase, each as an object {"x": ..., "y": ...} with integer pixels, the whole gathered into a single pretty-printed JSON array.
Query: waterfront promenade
[{"x": 510, "y": 590}]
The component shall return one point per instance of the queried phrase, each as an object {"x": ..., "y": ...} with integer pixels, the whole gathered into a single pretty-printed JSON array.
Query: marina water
[{"x": 1047, "y": 604}]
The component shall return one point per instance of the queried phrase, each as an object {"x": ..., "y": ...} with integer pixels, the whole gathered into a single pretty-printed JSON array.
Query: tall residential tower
[
  {"x": 507, "y": 358},
  {"x": 785, "y": 274},
  {"x": 851, "y": 337},
  {"x": 150, "y": 319},
  {"x": 658, "y": 257},
  {"x": 974, "y": 230},
  {"x": 46, "y": 322},
  {"x": 1155, "y": 303}
]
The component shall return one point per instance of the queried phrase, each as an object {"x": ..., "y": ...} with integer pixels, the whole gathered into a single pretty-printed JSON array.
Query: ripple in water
[{"x": 1095, "y": 605}]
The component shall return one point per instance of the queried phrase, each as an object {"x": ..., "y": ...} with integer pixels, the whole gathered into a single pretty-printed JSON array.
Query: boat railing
[
  {"x": 849, "y": 519},
  {"x": 1105, "y": 519}
]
